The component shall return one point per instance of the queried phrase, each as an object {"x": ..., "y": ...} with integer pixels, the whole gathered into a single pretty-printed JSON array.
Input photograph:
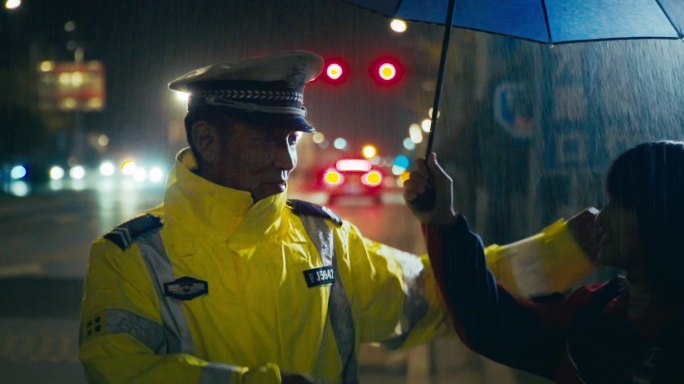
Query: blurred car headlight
[
  {"x": 107, "y": 168},
  {"x": 77, "y": 172},
  {"x": 128, "y": 167},
  {"x": 140, "y": 174},
  {"x": 56, "y": 173},
  {"x": 156, "y": 174}
]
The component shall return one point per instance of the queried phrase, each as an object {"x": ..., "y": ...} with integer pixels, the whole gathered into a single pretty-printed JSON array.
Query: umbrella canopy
[{"x": 547, "y": 21}]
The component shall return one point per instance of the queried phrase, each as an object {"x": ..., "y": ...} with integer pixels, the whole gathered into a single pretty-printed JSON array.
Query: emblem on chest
[{"x": 186, "y": 288}]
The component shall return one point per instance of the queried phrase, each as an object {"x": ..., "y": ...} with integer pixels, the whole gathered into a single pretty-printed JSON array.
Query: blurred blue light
[
  {"x": 18, "y": 172},
  {"x": 340, "y": 143},
  {"x": 402, "y": 161},
  {"x": 409, "y": 144}
]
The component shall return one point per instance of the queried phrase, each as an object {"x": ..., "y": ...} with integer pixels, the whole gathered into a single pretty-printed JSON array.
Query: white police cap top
[{"x": 267, "y": 85}]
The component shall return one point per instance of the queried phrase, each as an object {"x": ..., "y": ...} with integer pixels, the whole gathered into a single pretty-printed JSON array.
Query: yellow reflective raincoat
[
  {"x": 550, "y": 261},
  {"x": 214, "y": 288}
]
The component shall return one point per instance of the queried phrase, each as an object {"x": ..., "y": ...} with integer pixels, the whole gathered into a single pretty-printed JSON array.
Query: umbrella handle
[{"x": 426, "y": 200}]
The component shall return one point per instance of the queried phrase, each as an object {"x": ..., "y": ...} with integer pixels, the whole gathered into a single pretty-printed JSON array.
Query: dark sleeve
[{"x": 488, "y": 318}]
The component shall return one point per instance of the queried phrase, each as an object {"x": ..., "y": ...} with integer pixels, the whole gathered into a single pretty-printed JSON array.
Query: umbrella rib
[
  {"x": 677, "y": 31},
  {"x": 546, "y": 20}
]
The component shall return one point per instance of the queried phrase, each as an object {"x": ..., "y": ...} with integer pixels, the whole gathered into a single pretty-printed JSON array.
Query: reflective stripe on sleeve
[
  {"x": 161, "y": 271},
  {"x": 415, "y": 302},
  {"x": 111, "y": 321},
  {"x": 214, "y": 373},
  {"x": 339, "y": 308}
]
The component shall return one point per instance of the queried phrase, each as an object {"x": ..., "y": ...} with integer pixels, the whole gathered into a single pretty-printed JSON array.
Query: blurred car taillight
[
  {"x": 351, "y": 177},
  {"x": 372, "y": 178},
  {"x": 332, "y": 177},
  {"x": 353, "y": 165}
]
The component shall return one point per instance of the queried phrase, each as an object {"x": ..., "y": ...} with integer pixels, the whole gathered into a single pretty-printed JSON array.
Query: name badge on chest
[
  {"x": 186, "y": 288},
  {"x": 319, "y": 276}
]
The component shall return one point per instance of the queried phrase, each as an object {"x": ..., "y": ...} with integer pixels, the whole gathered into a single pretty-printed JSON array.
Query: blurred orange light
[
  {"x": 402, "y": 179},
  {"x": 369, "y": 151}
]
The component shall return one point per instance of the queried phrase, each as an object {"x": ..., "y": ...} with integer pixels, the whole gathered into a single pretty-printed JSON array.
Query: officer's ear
[{"x": 207, "y": 141}]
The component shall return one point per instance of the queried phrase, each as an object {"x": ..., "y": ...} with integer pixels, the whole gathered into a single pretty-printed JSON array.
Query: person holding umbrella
[{"x": 626, "y": 330}]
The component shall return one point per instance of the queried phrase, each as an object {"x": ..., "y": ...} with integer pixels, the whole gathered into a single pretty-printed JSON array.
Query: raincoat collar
[{"x": 225, "y": 212}]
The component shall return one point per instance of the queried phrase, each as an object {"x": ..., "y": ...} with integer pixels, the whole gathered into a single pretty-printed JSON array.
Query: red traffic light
[
  {"x": 335, "y": 71},
  {"x": 386, "y": 70}
]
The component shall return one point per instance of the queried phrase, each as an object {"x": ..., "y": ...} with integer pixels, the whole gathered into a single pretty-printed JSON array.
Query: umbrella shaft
[{"x": 440, "y": 74}]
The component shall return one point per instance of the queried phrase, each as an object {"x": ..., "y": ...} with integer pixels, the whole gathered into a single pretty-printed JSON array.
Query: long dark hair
[{"x": 649, "y": 178}]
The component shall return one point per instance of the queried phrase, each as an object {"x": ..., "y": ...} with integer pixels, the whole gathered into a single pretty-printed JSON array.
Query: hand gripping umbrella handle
[{"x": 426, "y": 200}]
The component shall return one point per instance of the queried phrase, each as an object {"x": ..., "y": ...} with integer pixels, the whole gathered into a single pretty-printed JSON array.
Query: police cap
[{"x": 265, "y": 89}]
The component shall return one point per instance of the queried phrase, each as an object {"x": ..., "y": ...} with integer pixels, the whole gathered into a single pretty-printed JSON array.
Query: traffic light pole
[{"x": 78, "y": 139}]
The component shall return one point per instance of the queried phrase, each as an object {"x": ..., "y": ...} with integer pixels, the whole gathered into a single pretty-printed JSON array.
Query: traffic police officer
[{"x": 228, "y": 280}]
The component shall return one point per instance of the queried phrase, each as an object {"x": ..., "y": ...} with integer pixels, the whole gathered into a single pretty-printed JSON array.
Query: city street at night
[{"x": 558, "y": 126}]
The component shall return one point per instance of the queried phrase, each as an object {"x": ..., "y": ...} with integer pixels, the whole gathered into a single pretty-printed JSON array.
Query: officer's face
[
  {"x": 258, "y": 159},
  {"x": 619, "y": 245}
]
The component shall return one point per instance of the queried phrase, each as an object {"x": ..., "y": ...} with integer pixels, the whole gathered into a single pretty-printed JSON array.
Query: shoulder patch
[
  {"x": 304, "y": 208},
  {"x": 126, "y": 233}
]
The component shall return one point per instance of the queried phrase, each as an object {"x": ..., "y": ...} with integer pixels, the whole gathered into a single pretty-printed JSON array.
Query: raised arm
[{"x": 518, "y": 332}]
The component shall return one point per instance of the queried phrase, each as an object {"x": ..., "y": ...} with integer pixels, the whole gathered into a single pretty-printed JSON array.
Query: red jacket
[{"x": 581, "y": 337}]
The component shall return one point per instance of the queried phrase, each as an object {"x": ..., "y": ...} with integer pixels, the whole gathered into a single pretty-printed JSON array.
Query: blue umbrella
[
  {"x": 544, "y": 21},
  {"x": 547, "y": 21}
]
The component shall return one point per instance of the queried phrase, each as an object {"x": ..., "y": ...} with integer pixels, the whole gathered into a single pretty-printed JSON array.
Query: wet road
[{"x": 45, "y": 240}]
